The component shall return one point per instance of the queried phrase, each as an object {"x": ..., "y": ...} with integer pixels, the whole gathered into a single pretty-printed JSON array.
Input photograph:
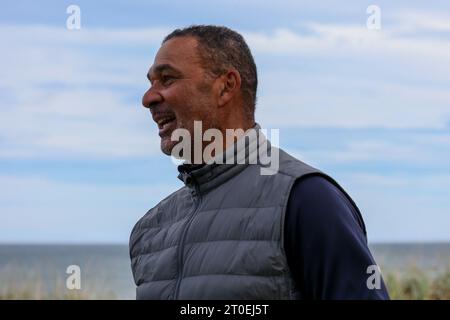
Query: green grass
[
  {"x": 414, "y": 284},
  {"x": 36, "y": 291},
  {"x": 18, "y": 283}
]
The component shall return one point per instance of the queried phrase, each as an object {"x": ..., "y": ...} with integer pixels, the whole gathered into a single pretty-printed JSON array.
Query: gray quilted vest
[{"x": 221, "y": 235}]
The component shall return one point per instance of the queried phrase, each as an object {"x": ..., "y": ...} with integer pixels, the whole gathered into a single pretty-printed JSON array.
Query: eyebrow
[{"x": 160, "y": 69}]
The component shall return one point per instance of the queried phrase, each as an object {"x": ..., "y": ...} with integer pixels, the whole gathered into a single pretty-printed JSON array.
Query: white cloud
[
  {"x": 410, "y": 150},
  {"x": 418, "y": 21},
  {"x": 39, "y": 54},
  {"x": 393, "y": 78},
  {"x": 47, "y": 35},
  {"x": 89, "y": 118},
  {"x": 331, "y": 40},
  {"x": 58, "y": 96},
  {"x": 77, "y": 123},
  {"x": 387, "y": 106},
  {"x": 35, "y": 208}
]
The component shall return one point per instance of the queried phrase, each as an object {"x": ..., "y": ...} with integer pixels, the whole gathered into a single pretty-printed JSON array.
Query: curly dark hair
[{"x": 220, "y": 49}]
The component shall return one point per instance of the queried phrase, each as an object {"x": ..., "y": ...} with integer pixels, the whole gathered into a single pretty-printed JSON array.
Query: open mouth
[{"x": 164, "y": 123}]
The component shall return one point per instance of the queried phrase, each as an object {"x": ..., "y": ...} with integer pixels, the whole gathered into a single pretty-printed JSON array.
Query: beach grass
[
  {"x": 36, "y": 291},
  {"x": 18, "y": 283},
  {"x": 413, "y": 284}
]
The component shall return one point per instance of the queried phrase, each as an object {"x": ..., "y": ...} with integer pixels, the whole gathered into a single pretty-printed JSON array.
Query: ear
[{"x": 230, "y": 85}]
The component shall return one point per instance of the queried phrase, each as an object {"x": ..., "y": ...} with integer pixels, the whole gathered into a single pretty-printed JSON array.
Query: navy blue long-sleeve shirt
[{"x": 325, "y": 244}]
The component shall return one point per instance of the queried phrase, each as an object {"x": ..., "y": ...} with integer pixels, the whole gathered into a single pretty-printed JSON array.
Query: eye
[{"x": 167, "y": 79}]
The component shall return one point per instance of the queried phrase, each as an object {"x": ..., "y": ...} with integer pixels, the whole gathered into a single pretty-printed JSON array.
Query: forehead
[{"x": 179, "y": 53}]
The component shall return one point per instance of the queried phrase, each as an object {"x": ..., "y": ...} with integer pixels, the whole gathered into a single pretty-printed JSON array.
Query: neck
[
  {"x": 230, "y": 136},
  {"x": 215, "y": 143},
  {"x": 237, "y": 132}
]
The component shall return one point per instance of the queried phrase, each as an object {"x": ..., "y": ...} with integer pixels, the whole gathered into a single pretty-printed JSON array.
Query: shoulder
[
  {"x": 282, "y": 163},
  {"x": 316, "y": 189},
  {"x": 319, "y": 201}
]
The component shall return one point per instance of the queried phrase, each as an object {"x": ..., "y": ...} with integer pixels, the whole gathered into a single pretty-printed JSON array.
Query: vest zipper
[{"x": 197, "y": 201}]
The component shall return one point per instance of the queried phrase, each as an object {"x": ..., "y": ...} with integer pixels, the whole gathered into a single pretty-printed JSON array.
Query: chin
[
  {"x": 166, "y": 151},
  {"x": 167, "y": 146}
]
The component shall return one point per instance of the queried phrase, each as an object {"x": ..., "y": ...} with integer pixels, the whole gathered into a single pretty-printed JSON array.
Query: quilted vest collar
[{"x": 201, "y": 178}]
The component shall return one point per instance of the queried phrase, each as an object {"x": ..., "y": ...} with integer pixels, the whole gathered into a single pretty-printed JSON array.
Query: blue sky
[{"x": 79, "y": 156}]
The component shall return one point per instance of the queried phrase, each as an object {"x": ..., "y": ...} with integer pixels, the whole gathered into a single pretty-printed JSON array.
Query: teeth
[{"x": 164, "y": 120}]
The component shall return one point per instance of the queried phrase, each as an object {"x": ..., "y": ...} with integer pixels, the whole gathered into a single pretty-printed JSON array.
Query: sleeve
[{"x": 325, "y": 244}]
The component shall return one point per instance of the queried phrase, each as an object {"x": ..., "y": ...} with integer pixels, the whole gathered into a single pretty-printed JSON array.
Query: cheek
[
  {"x": 188, "y": 104},
  {"x": 178, "y": 98}
]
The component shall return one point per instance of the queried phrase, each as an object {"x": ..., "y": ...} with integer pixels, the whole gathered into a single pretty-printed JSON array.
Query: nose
[{"x": 151, "y": 98}]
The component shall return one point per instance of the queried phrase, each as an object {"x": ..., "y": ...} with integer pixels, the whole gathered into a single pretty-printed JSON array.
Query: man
[{"x": 232, "y": 232}]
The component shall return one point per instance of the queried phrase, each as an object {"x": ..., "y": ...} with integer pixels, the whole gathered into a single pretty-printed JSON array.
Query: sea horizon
[{"x": 106, "y": 270}]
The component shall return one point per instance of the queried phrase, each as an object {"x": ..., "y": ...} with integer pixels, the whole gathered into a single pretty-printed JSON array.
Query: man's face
[{"x": 180, "y": 92}]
